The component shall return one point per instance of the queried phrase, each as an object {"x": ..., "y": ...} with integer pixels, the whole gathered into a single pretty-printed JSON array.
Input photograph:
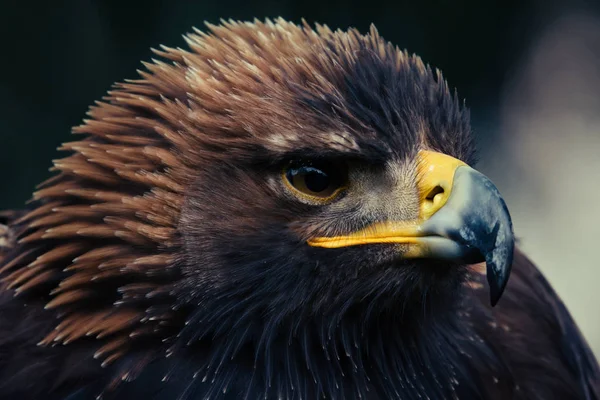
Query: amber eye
[{"x": 315, "y": 181}]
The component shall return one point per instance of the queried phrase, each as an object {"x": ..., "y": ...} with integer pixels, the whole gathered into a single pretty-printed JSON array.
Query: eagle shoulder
[{"x": 533, "y": 333}]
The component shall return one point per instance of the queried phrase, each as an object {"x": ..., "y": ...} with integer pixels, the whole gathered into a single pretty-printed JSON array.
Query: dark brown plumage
[{"x": 165, "y": 259}]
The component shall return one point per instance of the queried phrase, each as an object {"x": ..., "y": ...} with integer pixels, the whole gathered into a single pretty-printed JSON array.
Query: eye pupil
[{"x": 316, "y": 180}]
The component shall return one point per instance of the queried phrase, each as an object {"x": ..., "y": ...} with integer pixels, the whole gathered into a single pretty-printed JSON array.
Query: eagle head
[
  {"x": 273, "y": 191},
  {"x": 336, "y": 181}
]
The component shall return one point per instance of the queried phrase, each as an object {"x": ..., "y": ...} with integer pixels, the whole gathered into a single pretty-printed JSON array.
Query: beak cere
[{"x": 462, "y": 218}]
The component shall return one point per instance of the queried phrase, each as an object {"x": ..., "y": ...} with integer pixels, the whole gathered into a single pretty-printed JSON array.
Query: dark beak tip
[
  {"x": 497, "y": 275},
  {"x": 490, "y": 228},
  {"x": 495, "y": 293}
]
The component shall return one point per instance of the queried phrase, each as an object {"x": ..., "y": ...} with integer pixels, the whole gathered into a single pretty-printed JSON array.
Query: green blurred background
[{"x": 529, "y": 70}]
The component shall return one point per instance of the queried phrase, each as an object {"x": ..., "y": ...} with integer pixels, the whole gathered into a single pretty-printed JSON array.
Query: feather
[{"x": 165, "y": 259}]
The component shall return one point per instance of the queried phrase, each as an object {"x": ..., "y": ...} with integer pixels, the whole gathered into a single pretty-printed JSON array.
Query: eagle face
[
  {"x": 320, "y": 203},
  {"x": 247, "y": 229}
]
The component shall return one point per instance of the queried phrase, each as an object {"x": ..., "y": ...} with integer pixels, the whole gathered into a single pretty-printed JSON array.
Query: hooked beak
[{"x": 462, "y": 218}]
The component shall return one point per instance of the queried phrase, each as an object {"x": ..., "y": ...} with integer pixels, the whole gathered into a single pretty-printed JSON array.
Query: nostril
[{"x": 434, "y": 192}]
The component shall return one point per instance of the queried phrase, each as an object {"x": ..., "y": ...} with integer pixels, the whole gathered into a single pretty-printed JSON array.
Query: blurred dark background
[{"x": 529, "y": 70}]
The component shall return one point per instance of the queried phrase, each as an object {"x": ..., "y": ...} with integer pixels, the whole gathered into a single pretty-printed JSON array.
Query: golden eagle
[{"x": 278, "y": 212}]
